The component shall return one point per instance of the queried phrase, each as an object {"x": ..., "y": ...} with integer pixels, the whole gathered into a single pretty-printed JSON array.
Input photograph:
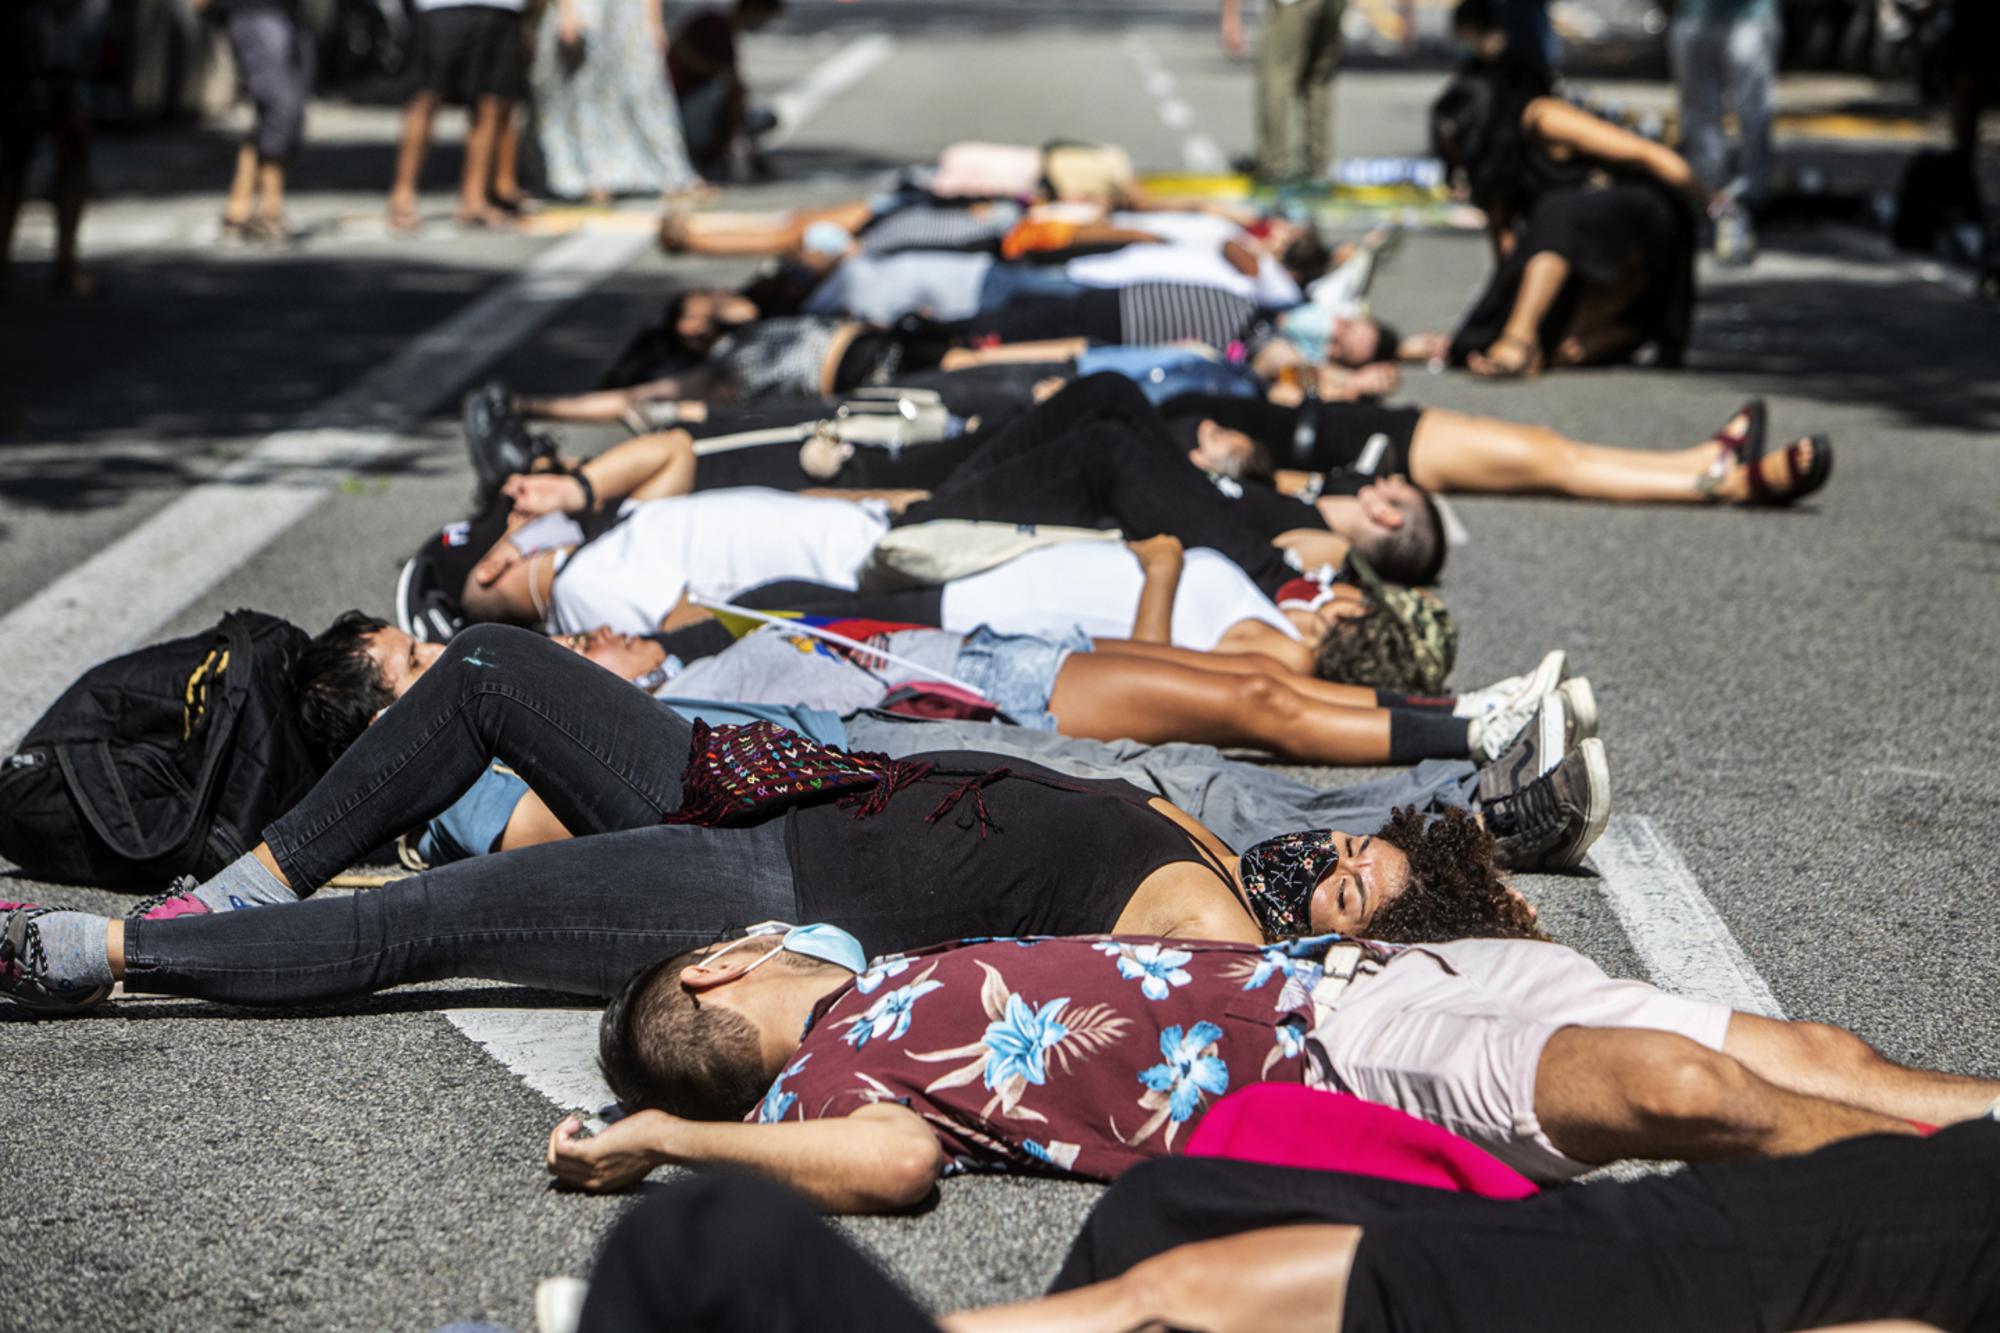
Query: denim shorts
[{"x": 1017, "y": 671}]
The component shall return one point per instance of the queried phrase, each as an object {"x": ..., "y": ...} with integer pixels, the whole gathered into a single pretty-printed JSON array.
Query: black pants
[
  {"x": 1099, "y": 451},
  {"x": 1871, "y": 1229},
  {"x": 1319, "y": 437}
]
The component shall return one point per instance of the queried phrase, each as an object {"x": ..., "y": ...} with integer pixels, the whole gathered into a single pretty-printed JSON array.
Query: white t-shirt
[
  {"x": 514, "y": 5},
  {"x": 713, "y": 544},
  {"x": 1205, "y": 267},
  {"x": 1095, "y": 587},
  {"x": 884, "y": 288}
]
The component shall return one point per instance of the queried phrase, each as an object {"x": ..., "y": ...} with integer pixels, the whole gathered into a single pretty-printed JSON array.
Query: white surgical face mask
[{"x": 828, "y": 944}]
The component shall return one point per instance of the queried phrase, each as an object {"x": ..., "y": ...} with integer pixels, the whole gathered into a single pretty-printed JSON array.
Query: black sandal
[{"x": 1804, "y": 481}]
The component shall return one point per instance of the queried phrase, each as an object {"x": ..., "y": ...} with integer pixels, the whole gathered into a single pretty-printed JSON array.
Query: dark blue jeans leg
[
  {"x": 579, "y": 916},
  {"x": 603, "y": 755}
]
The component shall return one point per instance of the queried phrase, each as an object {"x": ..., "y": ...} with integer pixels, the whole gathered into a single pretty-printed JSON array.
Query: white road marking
[
  {"x": 1204, "y": 154},
  {"x": 553, "y": 1051},
  {"x": 802, "y": 101},
  {"x": 1685, "y": 944},
  {"x": 1455, "y": 531},
  {"x": 129, "y": 589},
  {"x": 1199, "y": 152}
]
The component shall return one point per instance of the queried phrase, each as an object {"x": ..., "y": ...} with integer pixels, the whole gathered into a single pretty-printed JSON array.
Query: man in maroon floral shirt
[{"x": 859, "y": 1084}]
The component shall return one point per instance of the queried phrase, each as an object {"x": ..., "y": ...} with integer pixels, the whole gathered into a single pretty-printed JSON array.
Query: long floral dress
[{"x": 609, "y": 124}]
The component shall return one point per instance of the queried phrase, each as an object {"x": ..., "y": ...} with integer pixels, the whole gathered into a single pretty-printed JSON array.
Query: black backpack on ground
[{"x": 166, "y": 761}]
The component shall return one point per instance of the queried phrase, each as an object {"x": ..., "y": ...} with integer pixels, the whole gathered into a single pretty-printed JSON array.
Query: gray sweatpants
[
  {"x": 1241, "y": 803},
  {"x": 275, "y": 64}
]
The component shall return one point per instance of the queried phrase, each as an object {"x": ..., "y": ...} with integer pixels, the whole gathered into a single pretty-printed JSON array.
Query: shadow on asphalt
[{"x": 1918, "y": 350}]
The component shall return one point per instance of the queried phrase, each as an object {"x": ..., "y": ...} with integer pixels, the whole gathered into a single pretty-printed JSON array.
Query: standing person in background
[
  {"x": 50, "y": 53},
  {"x": 1296, "y": 57},
  {"x": 1725, "y": 58},
  {"x": 708, "y": 80},
  {"x": 469, "y": 52},
  {"x": 606, "y": 124},
  {"x": 274, "y": 65}
]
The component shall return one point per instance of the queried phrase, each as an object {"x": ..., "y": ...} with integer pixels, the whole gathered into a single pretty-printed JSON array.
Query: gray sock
[
  {"x": 244, "y": 882},
  {"x": 74, "y": 943}
]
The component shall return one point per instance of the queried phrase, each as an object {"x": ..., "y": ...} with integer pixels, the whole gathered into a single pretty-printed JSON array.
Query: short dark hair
[
  {"x": 1456, "y": 890},
  {"x": 1412, "y": 555},
  {"x": 1474, "y": 16},
  {"x": 660, "y": 1047},
  {"x": 1307, "y": 257},
  {"x": 337, "y": 686},
  {"x": 1388, "y": 340}
]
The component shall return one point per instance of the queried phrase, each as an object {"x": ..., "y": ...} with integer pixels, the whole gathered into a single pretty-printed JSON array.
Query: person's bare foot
[
  {"x": 485, "y": 217},
  {"x": 404, "y": 219}
]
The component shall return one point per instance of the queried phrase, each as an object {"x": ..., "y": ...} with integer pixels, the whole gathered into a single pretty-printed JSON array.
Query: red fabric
[{"x": 1290, "y": 1125}]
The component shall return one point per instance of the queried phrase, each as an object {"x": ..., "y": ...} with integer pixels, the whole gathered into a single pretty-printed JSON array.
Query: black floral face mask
[{"x": 1280, "y": 874}]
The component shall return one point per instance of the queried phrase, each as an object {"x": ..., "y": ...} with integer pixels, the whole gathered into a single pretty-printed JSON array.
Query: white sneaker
[
  {"x": 1494, "y": 733},
  {"x": 1581, "y": 701},
  {"x": 1542, "y": 680}
]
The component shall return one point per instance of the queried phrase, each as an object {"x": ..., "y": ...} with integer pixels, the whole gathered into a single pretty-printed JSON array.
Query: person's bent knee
[{"x": 1678, "y": 1084}]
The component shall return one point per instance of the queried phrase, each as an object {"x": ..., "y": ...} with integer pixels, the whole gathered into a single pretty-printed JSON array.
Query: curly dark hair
[
  {"x": 1456, "y": 889},
  {"x": 337, "y": 686},
  {"x": 1371, "y": 649}
]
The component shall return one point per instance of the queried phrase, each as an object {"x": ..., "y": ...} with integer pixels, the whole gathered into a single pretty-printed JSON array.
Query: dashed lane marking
[
  {"x": 828, "y": 80},
  {"x": 129, "y": 589},
  {"x": 1685, "y": 944}
]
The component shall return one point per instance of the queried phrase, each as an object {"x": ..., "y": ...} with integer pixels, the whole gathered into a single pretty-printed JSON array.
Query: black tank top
[{"x": 1017, "y": 850}]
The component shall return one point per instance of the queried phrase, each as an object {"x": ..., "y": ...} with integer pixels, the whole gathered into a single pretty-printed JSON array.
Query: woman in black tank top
[{"x": 983, "y": 849}]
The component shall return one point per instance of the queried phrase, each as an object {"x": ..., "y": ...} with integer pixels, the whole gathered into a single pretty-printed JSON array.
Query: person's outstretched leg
[
  {"x": 1454, "y": 452},
  {"x": 603, "y": 755},
  {"x": 579, "y": 917},
  {"x": 1603, "y": 1094},
  {"x": 747, "y": 1256},
  {"x": 1107, "y": 697},
  {"x": 1820, "y": 1060}
]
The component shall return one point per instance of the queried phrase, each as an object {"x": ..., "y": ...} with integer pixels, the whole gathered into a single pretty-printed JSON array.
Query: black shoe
[
  {"x": 499, "y": 443},
  {"x": 1548, "y": 822}
]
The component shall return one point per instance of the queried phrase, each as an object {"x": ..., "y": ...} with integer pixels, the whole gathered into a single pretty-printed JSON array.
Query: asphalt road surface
[{"x": 1799, "y": 707}]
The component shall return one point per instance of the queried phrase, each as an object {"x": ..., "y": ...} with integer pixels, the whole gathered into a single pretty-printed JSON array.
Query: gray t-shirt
[{"x": 883, "y": 288}]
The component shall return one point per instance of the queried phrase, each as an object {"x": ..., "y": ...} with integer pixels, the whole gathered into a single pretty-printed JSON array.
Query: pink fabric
[
  {"x": 1284, "y": 1124},
  {"x": 975, "y": 170}
]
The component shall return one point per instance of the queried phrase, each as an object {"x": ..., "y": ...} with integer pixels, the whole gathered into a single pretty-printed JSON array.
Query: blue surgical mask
[
  {"x": 826, "y": 238},
  {"x": 827, "y": 944},
  {"x": 1307, "y": 327}
]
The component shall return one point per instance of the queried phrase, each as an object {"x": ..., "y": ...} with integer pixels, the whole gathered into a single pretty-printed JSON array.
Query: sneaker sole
[
  {"x": 1581, "y": 701},
  {"x": 1548, "y": 673},
  {"x": 1598, "y": 767},
  {"x": 53, "y": 1007}
]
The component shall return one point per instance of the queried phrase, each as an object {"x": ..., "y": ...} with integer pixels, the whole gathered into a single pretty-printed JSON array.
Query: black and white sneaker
[
  {"x": 1549, "y": 821},
  {"x": 1526, "y": 737}
]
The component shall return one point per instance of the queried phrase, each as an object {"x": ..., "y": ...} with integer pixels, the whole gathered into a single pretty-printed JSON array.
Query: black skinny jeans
[
  {"x": 581, "y": 915},
  {"x": 1100, "y": 450}
]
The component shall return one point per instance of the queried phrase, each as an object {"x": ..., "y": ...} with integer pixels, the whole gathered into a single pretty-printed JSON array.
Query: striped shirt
[
  {"x": 928, "y": 227},
  {"x": 786, "y": 355},
  {"x": 1153, "y": 313}
]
